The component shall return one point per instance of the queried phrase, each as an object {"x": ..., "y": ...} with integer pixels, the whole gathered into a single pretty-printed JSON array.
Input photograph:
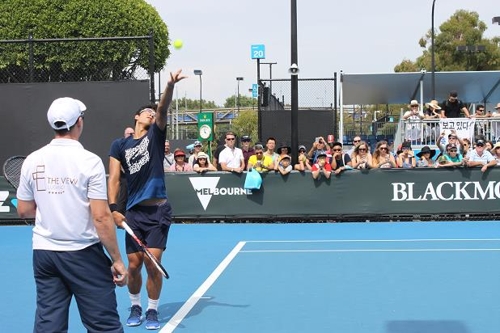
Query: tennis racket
[
  {"x": 151, "y": 256},
  {"x": 12, "y": 169}
]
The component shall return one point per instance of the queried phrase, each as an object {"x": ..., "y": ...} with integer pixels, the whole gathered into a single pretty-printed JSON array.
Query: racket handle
[{"x": 127, "y": 228}]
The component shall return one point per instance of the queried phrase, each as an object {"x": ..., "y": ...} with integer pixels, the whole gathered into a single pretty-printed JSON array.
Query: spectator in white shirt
[{"x": 231, "y": 158}]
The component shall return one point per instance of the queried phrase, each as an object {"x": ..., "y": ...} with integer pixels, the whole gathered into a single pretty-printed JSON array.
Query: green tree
[
  {"x": 194, "y": 104},
  {"x": 246, "y": 124},
  {"x": 79, "y": 61},
  {"x": 462, "y": 29},
  {"x": 245, "y": 101}
]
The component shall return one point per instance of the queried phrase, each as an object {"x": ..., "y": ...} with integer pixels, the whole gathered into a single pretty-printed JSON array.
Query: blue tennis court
[{"x": 431, "y": 277}]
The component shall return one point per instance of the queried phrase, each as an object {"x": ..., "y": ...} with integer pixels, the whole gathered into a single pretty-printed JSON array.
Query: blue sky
[{"x": 355, "y": 36}]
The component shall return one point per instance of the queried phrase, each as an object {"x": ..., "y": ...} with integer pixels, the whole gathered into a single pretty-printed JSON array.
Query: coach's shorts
[{"x": 150, "y": 224}]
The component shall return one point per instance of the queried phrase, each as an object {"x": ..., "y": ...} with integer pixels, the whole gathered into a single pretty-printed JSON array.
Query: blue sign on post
[
  {"x": 258, "y": 51},
  {"x": 255, "y": 90}
]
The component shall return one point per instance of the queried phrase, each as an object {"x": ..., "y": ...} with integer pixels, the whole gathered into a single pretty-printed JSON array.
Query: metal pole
[
  {"x": 433, "y": 61},
  {"x": 152, "y": 66},
  {"x": 335, "y": 128},
  {"x": 30, "y": 39},
  {"x": 259, "y": 98},
  {"x": 294, "y": 84},
  {"x": 201, "y": 94}
]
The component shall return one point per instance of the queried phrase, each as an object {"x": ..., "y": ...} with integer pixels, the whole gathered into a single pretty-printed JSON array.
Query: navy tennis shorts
[{"x": 150, "y": 224}]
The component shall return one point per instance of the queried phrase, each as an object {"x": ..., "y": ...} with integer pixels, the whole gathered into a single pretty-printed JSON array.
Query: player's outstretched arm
[{"x": 166, "y": 98}]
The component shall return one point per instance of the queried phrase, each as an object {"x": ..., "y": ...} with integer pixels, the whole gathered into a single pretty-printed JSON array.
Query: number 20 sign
[{"x": 258, "y": 51}]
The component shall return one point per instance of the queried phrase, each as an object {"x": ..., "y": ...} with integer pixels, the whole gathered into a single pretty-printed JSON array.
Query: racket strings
[{"x": 12, "y": 169}]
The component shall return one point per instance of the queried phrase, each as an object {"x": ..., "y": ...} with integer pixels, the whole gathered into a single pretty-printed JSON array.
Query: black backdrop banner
[{"x": 364, "y": 195}]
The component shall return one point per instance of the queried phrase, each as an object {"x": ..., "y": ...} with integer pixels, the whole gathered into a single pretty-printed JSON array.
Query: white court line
[
  {"x": 367, "y": 250},
  {"x": 198, "y": 294},
  {"x": 378, "y": 240}
]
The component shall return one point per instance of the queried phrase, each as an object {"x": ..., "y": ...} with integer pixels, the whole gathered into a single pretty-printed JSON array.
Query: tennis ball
[{"x": 178, "y": 44}]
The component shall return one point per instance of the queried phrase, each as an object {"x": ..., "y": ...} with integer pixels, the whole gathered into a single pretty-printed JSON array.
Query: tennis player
[
  {"x": 148, "y": 211},
  {"x": 63, "y": 186}
]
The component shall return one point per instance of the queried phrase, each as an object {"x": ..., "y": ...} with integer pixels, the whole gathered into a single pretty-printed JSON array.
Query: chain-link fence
[
  {"x": 318, "y": 93},
  {"x": 316, "y": 109},
  {"x": 77, "y": 59}
]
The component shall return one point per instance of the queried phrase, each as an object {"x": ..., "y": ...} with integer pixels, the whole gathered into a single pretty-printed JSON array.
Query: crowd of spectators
[{"x": 327, "y": 157}]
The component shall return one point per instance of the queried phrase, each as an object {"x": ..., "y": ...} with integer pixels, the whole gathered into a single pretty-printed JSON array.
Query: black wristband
[{"x": 113, "y": 207}]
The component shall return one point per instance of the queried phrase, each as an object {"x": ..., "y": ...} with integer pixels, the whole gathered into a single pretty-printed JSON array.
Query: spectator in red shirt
[{"x": 321, "y": 166}]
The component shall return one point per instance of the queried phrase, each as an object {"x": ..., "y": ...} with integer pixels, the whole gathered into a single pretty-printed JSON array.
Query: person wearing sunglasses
[
  {"x": 480, "y": 157},
  {"x": 340, "y": 160},
  {"x": 260, "y": 161},
  {"x": 231, "y": 158},
  {"x": 406, "y": 158},
  {"x": 355, "y": 142},
  {"x": 451, "y": 158},
  {"x": 452, "y": 107},
  {"x": 382, "y": 158},
  {"x": 303, "y": 160},
  {"x": 361, "y": 157}
]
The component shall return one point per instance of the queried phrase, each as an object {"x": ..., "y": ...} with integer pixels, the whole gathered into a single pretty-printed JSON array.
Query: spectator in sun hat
[
  {"x": 495, "y": 151},
  {"x": 302, "y": 161},
  {"x": 197, "y": 147},
  {"x": 497, "y": 111},
  {"x": 413, "y": 122},
  {"x": 180, "y": 164},
  {"x": 246, "y": 148},
  {"x": 425, "y": 157},
  {"x": 480, "y": 157},
  {"x": 452, "y": 107},
  {"x": 283, "y": 150},
  {"x": 450, "y": 158},
  {"x": 284, "y": 165},
  {"x": 321, "y": 167},
  {"x": 431, "y": 112},
  {"x": 203, "y": 164}
]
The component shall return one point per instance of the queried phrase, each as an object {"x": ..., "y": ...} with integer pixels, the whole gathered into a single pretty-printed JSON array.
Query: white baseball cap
[{"x": 65, "y": 110}]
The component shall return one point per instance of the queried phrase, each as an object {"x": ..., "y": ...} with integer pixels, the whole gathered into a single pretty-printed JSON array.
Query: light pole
[
  {"x": 433, "y": 61},
  {"x": 200, "y": 73},
  {"x": 238, "y": 79}
]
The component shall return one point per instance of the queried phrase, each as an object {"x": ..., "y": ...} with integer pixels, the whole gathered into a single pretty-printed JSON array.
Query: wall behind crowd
[
  {"x": 354, "y": 195},
  {"x": 110, "y": 108}
]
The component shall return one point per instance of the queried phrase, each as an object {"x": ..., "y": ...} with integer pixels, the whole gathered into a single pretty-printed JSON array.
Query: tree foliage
[
  {"x": 79, "y": 61},
  {"x": 193, "y": 104},
  {"x": 245, "y": 101},
  {"x": 246, "y": 124},
  {"x": 464, "y": 28}
]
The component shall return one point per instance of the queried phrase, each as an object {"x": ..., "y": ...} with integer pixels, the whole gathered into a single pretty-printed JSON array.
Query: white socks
[
  {"x": 136, "y": 300},
  {"x": 153, "y": 304}
]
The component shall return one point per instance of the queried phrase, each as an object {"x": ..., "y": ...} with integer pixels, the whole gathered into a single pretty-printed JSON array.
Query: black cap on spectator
[
  {"x": 246, "y": 138},
  {"x": 453, "y": 93}
]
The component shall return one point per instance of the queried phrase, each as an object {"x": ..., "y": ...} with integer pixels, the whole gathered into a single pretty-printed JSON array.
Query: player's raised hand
[{"x": 176, "y": 77}]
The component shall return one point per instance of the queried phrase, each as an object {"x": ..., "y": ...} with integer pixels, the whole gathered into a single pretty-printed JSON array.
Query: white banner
[{"x": 463, "y": 127}]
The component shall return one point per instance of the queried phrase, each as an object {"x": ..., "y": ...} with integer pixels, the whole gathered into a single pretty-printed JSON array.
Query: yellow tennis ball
[{"x": 178, "y": 44}]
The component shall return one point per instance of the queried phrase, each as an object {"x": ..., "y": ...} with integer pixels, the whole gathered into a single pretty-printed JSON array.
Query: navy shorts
[
  {"x": 84, "y": 274},
  {"x": 150, "y": 224}
]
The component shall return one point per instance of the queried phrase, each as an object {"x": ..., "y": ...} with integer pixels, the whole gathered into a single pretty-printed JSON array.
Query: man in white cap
[{"x": 63, "y": 186}]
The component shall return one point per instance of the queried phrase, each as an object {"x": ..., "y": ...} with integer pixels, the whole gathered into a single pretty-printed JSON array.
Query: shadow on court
[
  {"x": 426, "y": 326},
  {"x": 167, "y": 311}
]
